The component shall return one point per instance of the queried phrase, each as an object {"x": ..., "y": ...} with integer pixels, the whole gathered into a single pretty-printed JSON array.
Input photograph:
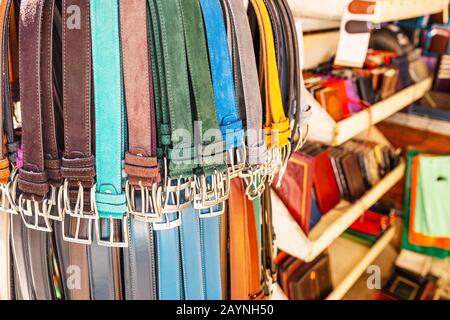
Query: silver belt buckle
[
  {"x": 167, "y": 224},
  {"x": 38, "y": 211},
  {"x": 235, "y": 160},
  {"x": 8, "y": 194},
  {"x": 285, "y": 154},
  {"x": 255, "y": 180},
  {"x": 212, "y": 191},
  {"x": 77, "y": 214},
  {"x": 109, "y": 241},
  {"x": 150, "y": 202},
  {"x": 177, "y": 194}
]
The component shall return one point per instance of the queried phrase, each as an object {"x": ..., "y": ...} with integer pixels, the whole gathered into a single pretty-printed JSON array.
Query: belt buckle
[
  {"x": 167, "y": 224},
  {"x": 178, "y": 196},
  {"x": 254, "y": 179},
  {"x": 212, "y": 191},
  {"x": 77, "y": 213},
  {"x": 110, "y": 240},
  {"x": 240, "y": 155},
  {"x": 38, "y": 211},
  {"x": 8, "y": 194},
  {"x": 285, "y": 153},
  {"x": 150, "y": 202}
]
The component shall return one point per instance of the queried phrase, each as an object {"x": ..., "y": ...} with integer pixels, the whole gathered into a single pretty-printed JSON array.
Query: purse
[{"x": 325, "y": 185}]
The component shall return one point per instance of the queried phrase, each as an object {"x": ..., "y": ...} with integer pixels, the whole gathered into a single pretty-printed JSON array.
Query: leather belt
[
  {"x": 78, "y": 162},
  {"x": 109, "y": 201},
  {"x": 141, "y": 163},
  {"x": 276, "y": 125},
  {"x": 245, "y": 272},
  {"x": 249, "y": 99},
  {"x": 173, "y": 115}
]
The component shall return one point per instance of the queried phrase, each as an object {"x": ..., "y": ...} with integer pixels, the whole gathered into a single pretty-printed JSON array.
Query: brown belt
[{"x": 78, "y": 164}]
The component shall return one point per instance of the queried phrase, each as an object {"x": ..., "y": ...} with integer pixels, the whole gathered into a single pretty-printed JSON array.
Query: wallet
[
  {"x": 325, "y": 184},
  {"x": 403, "y": 285},
  {"x": 353, "y": 177},
  {"x": 305, "y": 281},
  {"x": 296, "y": 187}
]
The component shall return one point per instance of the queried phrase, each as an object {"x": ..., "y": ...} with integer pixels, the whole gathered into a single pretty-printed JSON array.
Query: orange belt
[{"x": 245, "y": 274}]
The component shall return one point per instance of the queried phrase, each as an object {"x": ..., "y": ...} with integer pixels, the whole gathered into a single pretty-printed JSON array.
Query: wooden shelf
[
  {"x": 385, "y": 11},
  {"x": 324, "y": 129},
  {"x": 319, "y": 48},
  {"x": 349, "y": 260},
  {"x": 290, "y": 237}
]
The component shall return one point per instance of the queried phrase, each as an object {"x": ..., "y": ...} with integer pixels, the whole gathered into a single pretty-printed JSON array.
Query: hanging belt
[
  {"x": 78, "y": 163},
  {"x": 277, "y": 126},
  {"x": 174, "y": 122},
  {"x": 245, "y": 275},
  {"x": 109, "y": 201},
  {"x": 249, "y": 99},
  {"x": 40, "y": 176},
  {"x": 231, "y": 127},
  {"x": 141, "y": 163},
  {"x": 204, "y": 235},
  {"x": 5, "y": 100},
  {"x": 298, "y": 110}
]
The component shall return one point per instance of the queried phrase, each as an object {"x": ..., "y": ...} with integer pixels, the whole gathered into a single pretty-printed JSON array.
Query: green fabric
[
  {"x": 431, "y": 251},
  {"x": 432, "y": 216},
  {"x": 203, "y": 101},
  {"x": 173, "y": 109}
]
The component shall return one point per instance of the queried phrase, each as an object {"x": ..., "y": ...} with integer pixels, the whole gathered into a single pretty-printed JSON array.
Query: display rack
[
  {"x": 349, "y": 260},
  {"x": 385, "y": 10},
  {"x": 290, "y": 237},
  {"x": 324, "y": 129}
]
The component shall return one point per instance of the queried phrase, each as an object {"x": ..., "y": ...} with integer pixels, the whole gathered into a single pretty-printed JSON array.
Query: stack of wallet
[
  {"x": 343, "y": 91},
  {"x": 304, "y": 281},
  {"x": 405, "y": 285},
  {"x": 372, "y": 224},
  {"x": 319, "y": 177}
]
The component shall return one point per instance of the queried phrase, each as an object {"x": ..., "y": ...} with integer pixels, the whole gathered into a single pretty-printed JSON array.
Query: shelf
[
  {"x": 324, "y": 129},
  {"x": 290, "y": 237},
  {"x": 385, "y": 11},
  {"x": 314, "y": 25},
  {"x": 349, "y": 260},
  {"x": 319, "y": 47},
  {"x": 414, "y": 121}
]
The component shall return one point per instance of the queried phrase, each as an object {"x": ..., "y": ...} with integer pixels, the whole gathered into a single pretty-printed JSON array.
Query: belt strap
[
  {"x": 19, "y": 246},
  {"x": 276, "y": 124},
  {"x": 110, "y": 200},
  {"x": 173, "y": 114},
  {"x": 4, "y": 86},
  {"x": 246, "y": 79},
  {"x": 244, "y": 256},
  {"x": 141, "y": 163},
  {"x": 33, "y": 179},
  {"x": 109, "y": 121},
  {"x": 78, "y": 163}
]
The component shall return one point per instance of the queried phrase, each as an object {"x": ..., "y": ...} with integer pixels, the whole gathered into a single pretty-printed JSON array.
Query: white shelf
[
  {"x": 324, "y": 129},
  {"x": 319, "y": 47},
  {"x": 421, "y": 123},
  {"x": 385, "y": 10},
  {"x": 313, "y": 25},
  {"x": 349, "y": 260},
  {"x": 290, "y": 237}
]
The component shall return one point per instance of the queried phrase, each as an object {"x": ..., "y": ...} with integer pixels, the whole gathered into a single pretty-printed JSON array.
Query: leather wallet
[
  {"x": 311, "y": 281},
  {"x": 353, "y": 176},
  {"x": 296, "y": 187},
  {"x": 389, "y": 83},
  {"x": 327, "y": 190},
  {"x": 372, "y": 223},
  {"x": 315, "y": 212},
  {"x": 330, "y": 99},
  {"x": 365, "y": 89},
  {"x": 335, "y": 157},
  {"x": 442, "y": 78},
  {"x": 404, "y": 285}
]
